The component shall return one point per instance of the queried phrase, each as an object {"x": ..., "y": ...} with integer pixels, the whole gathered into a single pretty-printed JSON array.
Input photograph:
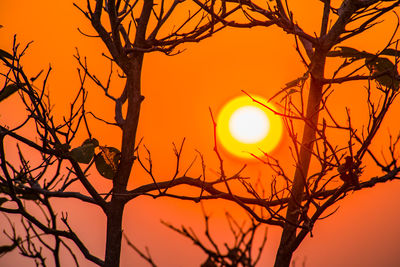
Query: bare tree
[
  {"x": 48, "y": 168},
  {"x": 320, "y": 159}
]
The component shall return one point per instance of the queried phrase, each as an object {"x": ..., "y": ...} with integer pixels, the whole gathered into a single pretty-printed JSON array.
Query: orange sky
[{"x": 179, "y": 90}]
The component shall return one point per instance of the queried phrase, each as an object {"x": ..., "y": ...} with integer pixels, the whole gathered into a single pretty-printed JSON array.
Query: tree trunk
[
  {"x": 114, "y": 234},
  {"x": 287, "y": 245},
  {"x": 115, "y": 208},
  {"x": 283, "y": 258}
]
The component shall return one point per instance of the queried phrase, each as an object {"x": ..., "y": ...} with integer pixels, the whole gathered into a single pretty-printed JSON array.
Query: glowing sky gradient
[{"x": 363, "y": 232}]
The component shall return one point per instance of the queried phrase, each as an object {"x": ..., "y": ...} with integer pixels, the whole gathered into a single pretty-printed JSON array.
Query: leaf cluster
[{"x": 382, "y": 69}]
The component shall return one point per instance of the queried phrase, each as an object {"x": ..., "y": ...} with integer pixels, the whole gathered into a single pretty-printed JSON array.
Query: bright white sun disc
[
  {"x": 247, "y": 128},
  {"x": 249, "y": 124}
]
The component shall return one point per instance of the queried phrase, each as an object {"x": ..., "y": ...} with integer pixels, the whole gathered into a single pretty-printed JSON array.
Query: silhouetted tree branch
[{"x": 239, "y": 253}]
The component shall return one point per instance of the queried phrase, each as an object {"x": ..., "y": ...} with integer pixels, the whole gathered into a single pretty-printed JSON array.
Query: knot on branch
[{"x": 350, "y": 171}]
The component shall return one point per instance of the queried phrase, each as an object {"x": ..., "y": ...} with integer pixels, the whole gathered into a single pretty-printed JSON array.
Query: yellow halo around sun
[{"x": 245, "y": 127}]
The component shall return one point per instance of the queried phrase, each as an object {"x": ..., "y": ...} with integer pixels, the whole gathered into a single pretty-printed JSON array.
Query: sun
[
  {"x": 249, "y": 124},
  {"x": 245, "y": 127}
]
